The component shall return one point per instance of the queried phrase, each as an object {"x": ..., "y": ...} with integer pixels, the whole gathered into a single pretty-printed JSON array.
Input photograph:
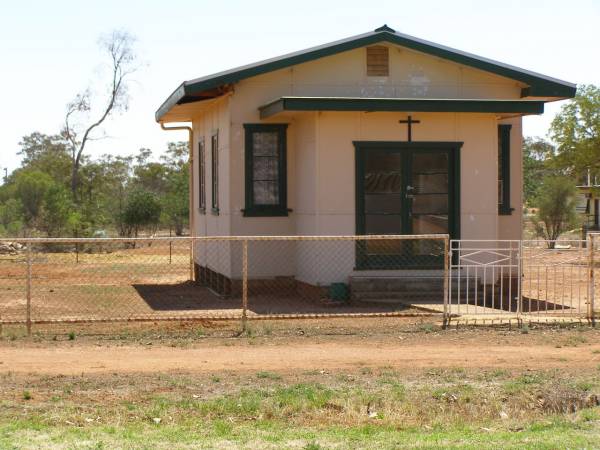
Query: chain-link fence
[
  {"x": 241, "y": 278},
  {"x": 277, "y": 277}
]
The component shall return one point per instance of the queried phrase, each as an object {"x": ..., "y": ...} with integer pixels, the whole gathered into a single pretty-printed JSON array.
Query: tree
[
  {"x": 11, "y": 217},
  {"x": 176, "y": 201},
  {"x": 556, "y": 208},
  {"x": 104, "y": 186},
  {"x": 142, "y": 210},
  {"x": 75, "y": 225},
  {"x": 576, "y": 131},
  {"x": 149, "y": 175},
  {"x": 176, "y": 198},
  {"x": 46, "y": 153},
  {"x": 56, "y": 210},
  {"x": 537, "y": 152},
  {"x": 79, "y": 127},
  {"x": 31, "y": 189}
]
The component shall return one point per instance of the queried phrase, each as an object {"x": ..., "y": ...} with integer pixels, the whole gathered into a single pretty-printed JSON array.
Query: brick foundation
[{"x": 279, "y": 286}]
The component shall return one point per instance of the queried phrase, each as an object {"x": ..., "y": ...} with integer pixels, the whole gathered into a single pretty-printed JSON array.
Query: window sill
[
  {"x": 266, "y": 212},
  {"x": 202, "y": 211},
  {"x": 505, "y": 211},
  {"x": 214, "y": 211}
]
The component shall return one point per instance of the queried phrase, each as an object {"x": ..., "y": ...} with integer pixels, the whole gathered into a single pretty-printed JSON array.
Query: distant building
[{"x": 588, "y": 205}]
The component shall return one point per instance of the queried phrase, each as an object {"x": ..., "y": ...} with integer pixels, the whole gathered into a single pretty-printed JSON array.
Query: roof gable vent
[{"x": 378, "y": 61}]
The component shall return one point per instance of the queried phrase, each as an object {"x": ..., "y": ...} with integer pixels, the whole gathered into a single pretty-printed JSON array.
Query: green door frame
[{"x": 361, "y": 149}]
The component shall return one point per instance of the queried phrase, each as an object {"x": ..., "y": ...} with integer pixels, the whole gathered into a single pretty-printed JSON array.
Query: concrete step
[
  {"x": 388, "y": 301},
  {"x": 395, "y": 284},
  {"x": 408, "y": 287},
  {"x": 369, "y": 295}
]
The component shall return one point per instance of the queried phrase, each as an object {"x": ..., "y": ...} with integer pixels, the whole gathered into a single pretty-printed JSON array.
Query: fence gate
[
  {"x": 484, "y": 277},
  {"x": 528, "y": 279}
]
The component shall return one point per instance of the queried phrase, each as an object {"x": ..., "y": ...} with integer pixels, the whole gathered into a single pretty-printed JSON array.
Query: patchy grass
[
  {"x": 266, "y": 434},
  {"x": 383, "y": 408},
  {"x": 268, "y": 375}
]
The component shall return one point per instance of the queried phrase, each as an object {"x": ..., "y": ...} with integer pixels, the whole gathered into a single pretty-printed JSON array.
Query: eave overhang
[
  {"x": 400, "y": 105},
  {"x": 537, "y": 85}
]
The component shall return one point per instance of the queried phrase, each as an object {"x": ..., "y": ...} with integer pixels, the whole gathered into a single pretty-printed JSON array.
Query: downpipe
[{"x": 191, "y": 189}]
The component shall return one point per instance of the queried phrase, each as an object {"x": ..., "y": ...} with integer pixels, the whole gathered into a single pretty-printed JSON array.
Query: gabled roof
[{"x": 210, "y": 86}]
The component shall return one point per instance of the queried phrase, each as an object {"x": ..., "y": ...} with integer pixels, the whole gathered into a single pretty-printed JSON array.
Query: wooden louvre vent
[{"x": 378, "y": 61}]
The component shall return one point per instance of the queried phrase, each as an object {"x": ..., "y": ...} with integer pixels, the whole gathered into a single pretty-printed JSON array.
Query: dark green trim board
[
  {"x": 407, "y": 259},
  {"x": 251, "y": 208},
  {"x": 400, "y": 105},
  {"x": 504, "y": 208},
  {"x": 212, "y": 85}
]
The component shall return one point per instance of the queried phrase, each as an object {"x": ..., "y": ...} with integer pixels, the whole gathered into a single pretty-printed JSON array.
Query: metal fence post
[
  {"x": 244, "y": 283},
  {"x": 192, "y": 271},
  {"x": 520, "y": 274},
  {"x": 591, "y": 284},
  {"x": 446, "y": 279},
  {"x": 28, "y": 317}
]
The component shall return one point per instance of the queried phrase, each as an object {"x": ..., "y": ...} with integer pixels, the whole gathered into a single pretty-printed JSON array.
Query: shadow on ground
[{"x": 190, "y": 297}]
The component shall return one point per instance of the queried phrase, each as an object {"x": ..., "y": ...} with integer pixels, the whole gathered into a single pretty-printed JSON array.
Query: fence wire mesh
[
  {"x": 80, "y": 280},
  {"x": 555, "y": 280},
  {"x": 344, "y": 276},
  {"x": 70, "y": 280}
]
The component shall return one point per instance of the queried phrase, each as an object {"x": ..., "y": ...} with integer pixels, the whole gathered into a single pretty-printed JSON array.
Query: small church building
[{"x": 379, "y": 133}]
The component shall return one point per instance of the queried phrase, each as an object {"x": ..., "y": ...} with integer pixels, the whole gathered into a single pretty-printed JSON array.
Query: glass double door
[{"x": 403, "y": 191}]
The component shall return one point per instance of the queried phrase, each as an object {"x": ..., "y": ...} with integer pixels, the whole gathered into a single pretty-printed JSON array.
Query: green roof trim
[
  {"x": 538, "y": 84},
  {"x": 400, "y": 105}
]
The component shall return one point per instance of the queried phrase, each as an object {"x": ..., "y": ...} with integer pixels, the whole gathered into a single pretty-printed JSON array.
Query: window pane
[
  {"x": 430, "y": 163},
  {"x": 265, "y": 143},
  {"x": 265, "y": 168},
  {"x": 383, "y": 203},
  {"x": 430, "y": 184},
  {"x": 385, "y": 247},
  {"x": 381, "y": 160},
  {"x": 500, "y": 170},
  {"x": 430, "y": 204},
  {"x": 383, "y": 182},
  {"x": 266, "y": 193},
  {"x": 201, "y": 176},
  {"x": 430, "y": 224},
  {"x": 215, "y": 171},
  {"x": 383, "y": 224}
]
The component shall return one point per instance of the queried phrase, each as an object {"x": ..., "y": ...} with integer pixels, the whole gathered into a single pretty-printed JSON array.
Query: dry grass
[{"x": 458, "y": 405}]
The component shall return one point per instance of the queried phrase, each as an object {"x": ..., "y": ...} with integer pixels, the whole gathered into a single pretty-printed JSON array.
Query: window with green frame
[
  {"x": 504, "y": 170},
  {"x": 214, "y": 173},
  {"x": 201, "y": 177},
  {"x": 266, "y": 170}
]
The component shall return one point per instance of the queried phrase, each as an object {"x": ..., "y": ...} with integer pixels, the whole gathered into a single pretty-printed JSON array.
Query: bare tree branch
[{"x": 123, "y": 63}]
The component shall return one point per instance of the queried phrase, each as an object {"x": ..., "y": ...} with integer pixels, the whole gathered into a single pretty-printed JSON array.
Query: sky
[{"x": 49, "y": 50}]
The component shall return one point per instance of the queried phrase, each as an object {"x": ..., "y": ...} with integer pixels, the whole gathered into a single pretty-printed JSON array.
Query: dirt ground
[
  {"x": 403, "y": 344},
  {"x": 288, "y": 357},
  {"x": 299, "y": 384}
]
